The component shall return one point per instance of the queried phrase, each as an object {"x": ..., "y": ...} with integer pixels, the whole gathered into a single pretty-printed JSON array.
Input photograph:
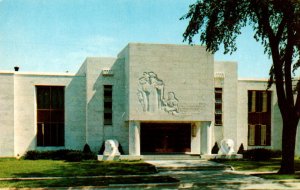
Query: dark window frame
[
  {"x": 218, "y": 104},
  {"x": 107, "y": 105},
  {"x": 258, "y": 117},
  {"x": 50, "y": 116}
]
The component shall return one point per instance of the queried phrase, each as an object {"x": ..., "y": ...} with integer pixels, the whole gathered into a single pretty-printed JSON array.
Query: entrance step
[
  {"x": 171, "y": 157},
  {"x": 187, "y": 165}
]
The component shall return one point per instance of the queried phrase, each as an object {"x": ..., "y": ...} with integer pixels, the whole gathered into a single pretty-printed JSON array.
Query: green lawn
[
  {"x": 75, "y": 182},
  {"x": 262, "y": 166},
  {"x": 53, "y": 168},
  {"x": 13, "y": 168}
]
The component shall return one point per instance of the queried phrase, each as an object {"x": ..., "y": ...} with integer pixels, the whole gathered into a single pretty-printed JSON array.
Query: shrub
[
  {"x": 241, "y": 149},
  {"x": 32, "y": 155},
  {"x": 74, "y": 156},
  {"x": 215, "y": 149},
  {"x": 62, "y": 154},
  {"x": 261, "y": 154},
  {"x": 87, "y": 149}
]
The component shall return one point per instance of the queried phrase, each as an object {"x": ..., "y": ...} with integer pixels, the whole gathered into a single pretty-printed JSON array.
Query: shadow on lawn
[
  {"x": 90, "y": 168},
  {"x": 75, "y": 182}
]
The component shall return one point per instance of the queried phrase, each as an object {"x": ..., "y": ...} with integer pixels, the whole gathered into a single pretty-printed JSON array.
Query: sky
[{"x": 57, "y": 35}]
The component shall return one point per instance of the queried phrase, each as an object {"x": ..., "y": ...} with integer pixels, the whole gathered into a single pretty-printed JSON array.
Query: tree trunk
[{"x": 289, "y": 131}]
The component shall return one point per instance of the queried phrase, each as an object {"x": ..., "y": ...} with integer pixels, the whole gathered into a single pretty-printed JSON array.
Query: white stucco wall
[
  {"x": 228, "y": 83},
  {"x": 187, "y": 71},
  {"x": 7, "y": 114},
  {"x": 25, "y": 110},
  {"x": 248, "y": 84},
  {"x": 97, "y": 132}
]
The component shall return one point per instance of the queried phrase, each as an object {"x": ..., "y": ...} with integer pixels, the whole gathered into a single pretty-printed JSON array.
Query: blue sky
[{"x": 57, "y": 35}]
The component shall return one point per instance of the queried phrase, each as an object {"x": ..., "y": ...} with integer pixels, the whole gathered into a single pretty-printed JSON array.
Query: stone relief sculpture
[
  {"x": 171, "y": 104},
  {"x": 227, "y": 146},
  {"x": 151, "y": 95}
]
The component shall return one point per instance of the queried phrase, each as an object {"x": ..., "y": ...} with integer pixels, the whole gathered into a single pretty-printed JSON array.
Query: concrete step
[
  {"x": 171, "y": 157},
  {"x": 187, "y": 165}
]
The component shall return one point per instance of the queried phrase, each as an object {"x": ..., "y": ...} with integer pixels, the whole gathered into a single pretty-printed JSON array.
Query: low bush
[
  {"x": 87, "y": 149},
  {"x": 241, "y": 149},
  {"x": 62, "y": 154},
  {"x": 32, "y": 155},
  {"x": 215, "y": 149},
  {"x": 261, "y": 154},
  {"x": 74, "y": 156}
]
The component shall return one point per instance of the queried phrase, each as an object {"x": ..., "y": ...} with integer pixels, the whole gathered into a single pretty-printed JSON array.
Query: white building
[{"x": 151, "y": 98}]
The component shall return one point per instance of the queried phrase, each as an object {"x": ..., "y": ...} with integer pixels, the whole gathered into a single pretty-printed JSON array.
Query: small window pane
[
  {"x": 107, "y": 116},
  {"x": 43, "y": 97}
]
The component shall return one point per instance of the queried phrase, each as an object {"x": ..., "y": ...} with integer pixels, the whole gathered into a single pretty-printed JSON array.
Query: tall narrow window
[
  {"x": 107, "y": 93},
  {"x": 50, "y": 115},
  {"x": 218, "y": 106},
  {"x": 259, "y": 118}
]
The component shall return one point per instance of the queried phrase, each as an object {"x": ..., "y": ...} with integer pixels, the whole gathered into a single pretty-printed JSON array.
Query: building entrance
[{"x": 165, "y": 138}]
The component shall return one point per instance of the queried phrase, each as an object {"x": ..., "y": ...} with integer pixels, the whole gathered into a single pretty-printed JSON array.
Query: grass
[
  {"x": 263, "y": 166},
  {"x": 75, "y": 182},
  {"x": 53, "y": 168},
  {"x": 13, "y": 168}
]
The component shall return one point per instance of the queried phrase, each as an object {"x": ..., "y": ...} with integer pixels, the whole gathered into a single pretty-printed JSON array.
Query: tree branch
[
  {"x": 289, "y": 50},
  {"x": 280, "y": 29},
  {"x": 263, "y": 16}
]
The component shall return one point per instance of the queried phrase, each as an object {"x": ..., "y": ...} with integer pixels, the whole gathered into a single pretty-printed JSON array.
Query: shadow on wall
[
  {"x": 75, "y": 111},
  {"x": 97, "y": 132}
]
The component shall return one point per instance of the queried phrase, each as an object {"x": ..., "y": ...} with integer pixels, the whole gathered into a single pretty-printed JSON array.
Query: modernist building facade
[{"x": 151, "y": 98}]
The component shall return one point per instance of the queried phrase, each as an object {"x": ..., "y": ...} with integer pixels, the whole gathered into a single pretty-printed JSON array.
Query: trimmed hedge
[
  {"x": 261, "y": 154},
  {"x": 64, "y": 154},
  {"x": 215, "y": 149},
  {"x": 241, "y": 149}
]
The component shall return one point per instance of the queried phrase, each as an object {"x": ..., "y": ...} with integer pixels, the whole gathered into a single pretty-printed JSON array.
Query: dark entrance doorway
[{"x": 165, "y": 138}]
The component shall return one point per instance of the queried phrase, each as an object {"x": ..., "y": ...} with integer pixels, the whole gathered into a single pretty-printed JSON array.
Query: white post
[
  {"x": 134, "y": 138},
  {"x": 195, "y": 138},
  {"x": 206, "y": 133}
]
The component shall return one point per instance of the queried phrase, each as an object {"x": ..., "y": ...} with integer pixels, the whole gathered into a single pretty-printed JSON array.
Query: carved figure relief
[
  {"x": 151, "y": 95},
  {"x": 171, "y": 104}
]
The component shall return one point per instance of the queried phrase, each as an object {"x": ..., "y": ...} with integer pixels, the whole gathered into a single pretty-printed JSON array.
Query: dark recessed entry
[{"x": 165, "y": 138}]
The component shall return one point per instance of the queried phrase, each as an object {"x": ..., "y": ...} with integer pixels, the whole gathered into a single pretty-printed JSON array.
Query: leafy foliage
[
  {"x": 261, "y": 154},
  {"x": 276, "y": 24}
]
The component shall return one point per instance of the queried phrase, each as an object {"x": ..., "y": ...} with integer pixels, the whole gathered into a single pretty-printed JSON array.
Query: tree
[{"x": 276, "y": 24}]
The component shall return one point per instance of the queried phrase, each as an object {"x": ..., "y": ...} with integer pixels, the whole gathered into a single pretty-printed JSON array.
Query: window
[
  {"x": 107, "y": 93},
  {"x": 218, "y": 106},
  {"x": 50, "y": 115},
  {"x": 259, "y": 118}
]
